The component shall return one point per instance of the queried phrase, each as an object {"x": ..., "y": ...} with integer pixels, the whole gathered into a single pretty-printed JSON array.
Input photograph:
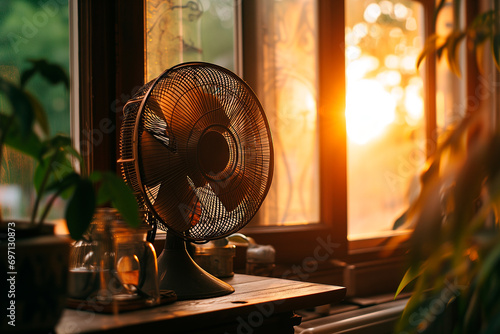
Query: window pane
[
  {"x": 32, "y": 29},
  {"x": 185, "y": 30},
  {"x": 287, "y": 89},
  {"x": 384, "y": 111},
  {"x": 179, "y": 31}
]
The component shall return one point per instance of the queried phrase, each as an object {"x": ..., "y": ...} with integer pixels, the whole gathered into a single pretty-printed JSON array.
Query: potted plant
[
  {"x": 34, "y": 260},
  {"x": 455, "y": 246}
]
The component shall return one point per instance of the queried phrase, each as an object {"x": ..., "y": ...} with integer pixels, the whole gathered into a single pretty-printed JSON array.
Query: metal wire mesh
[{"x": 197, "y": 150}]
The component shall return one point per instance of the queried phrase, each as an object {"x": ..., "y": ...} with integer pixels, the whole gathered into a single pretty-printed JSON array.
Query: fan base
[{"x": 177, "y": 271}]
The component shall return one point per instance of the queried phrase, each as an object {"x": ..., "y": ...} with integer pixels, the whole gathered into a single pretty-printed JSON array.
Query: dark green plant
[
  {"x": 25, "y": 128},
  {"x": 455, "y": 246}
]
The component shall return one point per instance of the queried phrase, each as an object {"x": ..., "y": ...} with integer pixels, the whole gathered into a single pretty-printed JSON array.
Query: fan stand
[{"x": 177, "y": 271}]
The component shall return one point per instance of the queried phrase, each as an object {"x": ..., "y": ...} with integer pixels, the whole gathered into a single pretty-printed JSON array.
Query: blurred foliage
[
  {"x": 34, "y": 103},
  {"x": 24, "y": 128},
  {"x": 481, "y": 33},
  {"x": 31, "y": 29},
  {"x": 455, "y": 246},
  {"x": 454, "y": 270}
]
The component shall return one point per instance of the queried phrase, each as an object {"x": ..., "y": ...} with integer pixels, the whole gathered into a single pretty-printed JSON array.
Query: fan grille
[{"x": 197, "y": 150}]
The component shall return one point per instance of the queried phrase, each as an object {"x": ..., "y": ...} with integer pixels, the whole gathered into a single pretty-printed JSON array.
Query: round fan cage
[{"x": 196, "y": 148}]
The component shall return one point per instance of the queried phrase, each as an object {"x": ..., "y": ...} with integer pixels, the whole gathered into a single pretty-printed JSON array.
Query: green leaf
[
  {"x": 431, "y": 45},
  {"x": 439, "y": 6},
  {"x": 71, "y": 151},
  {"x": 51, "y": 72},
  {"x": 39, "y": 113},
  {"x": 489, "y": 265},
  {"x": 28, "y": 143},
  {"x": 59, "y": 141},
  {"x": 26, "y": 75},
  {"x": 121, "y": 197},
  {"x": 65, "y": 183},
  {"x": 453, "y": 42},
  {"x": 80, "y": 209},
  {"x": 55, "y": 165},
  {"x": 471, "y": 311},
  {"x": 493, "y": 327},
  {"x": 411, "y": 274},
  {"x": 483, "y": 21},
  {"x": 103, "y": 195},
  {"x": 22, "y": 109},
  {"x": 95, "y": 176}
]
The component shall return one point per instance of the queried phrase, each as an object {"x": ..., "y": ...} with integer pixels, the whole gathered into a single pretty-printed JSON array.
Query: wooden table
[{"x": 258, "y": 305}]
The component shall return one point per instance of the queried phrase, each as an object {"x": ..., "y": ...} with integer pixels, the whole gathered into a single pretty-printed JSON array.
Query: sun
[{"x": 369, "y": 110}]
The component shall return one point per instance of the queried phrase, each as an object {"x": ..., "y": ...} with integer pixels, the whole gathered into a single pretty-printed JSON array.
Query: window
[
  {"x": 27, "y": 28},
  {"x": 285, "y": 79},
  {"x": 384, "y": 112},
  {"x": 184, "y": 31},
  {"x": 293, "y": 58},
  {"x": 112, "y": 66}
]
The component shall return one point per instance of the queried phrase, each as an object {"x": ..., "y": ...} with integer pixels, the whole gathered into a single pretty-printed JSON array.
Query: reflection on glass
[
  {"x": 178, "y": 31},
  {"x": 288, "y": 91},
  {"x": 384, "y": 111},
  {"x": 184, "y": 30}
]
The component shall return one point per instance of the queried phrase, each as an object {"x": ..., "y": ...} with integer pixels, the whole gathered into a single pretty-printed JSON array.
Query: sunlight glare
[
  {"x": 358, "y": 69},
  {"x": 370, "y": 109},
  {"x": 414, "y": 104},
  {"x": 401, "y": 11},
  {"x": 372, "y": 12}
]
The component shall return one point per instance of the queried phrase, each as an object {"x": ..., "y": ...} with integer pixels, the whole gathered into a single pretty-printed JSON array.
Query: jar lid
[
  {"x": 211, "y": 248},
  {"x": 261, "y": 254}
]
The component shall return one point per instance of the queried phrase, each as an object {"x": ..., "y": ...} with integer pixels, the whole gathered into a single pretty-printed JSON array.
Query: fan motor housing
[{"x": 213, "y": 153}]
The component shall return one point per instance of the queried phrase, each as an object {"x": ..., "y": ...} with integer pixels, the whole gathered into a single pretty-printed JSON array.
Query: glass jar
[
  {"x": 216, "y": 257},
  {"x": 260, "y": 260},
  {"x": 113, "y": 262}
]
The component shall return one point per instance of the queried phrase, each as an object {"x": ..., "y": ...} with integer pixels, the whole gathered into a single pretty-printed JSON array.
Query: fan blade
[
  {"x": 215, "y": 219},
  {"x": 177, "y": 204},
  {"x": 230, "y": 192},
  {"x": 164, "y": 168},
  {"x": 195, "y": 111},
  {"x": 199, "y": 110},
  {"x": 157, "y": 160},
  {"x": 152, "y": 105},
  {"x": 158, "y": 128},
  {"x": 215, "y": 112}
]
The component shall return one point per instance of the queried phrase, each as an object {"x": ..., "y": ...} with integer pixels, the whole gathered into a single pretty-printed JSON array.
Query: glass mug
[{"x": 113, "y": 262}]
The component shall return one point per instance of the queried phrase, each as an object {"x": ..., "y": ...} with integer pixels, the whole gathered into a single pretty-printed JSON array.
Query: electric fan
[{"x": 196, "y": 148}]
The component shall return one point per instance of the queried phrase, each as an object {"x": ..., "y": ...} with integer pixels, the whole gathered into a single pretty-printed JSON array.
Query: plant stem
[
  {"x": 49, "y": 205},
  {"x": 40, "y": 192}
]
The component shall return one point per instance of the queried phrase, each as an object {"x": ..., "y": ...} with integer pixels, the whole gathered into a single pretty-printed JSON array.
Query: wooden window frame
[
  {"x": 111, "y": 44},
  {"x": 294, "y": 243},
  {"x": 111, "y": 58}
]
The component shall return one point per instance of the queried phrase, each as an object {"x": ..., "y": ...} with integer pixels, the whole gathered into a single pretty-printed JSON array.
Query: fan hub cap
[{"x": 213, "y": 153}]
